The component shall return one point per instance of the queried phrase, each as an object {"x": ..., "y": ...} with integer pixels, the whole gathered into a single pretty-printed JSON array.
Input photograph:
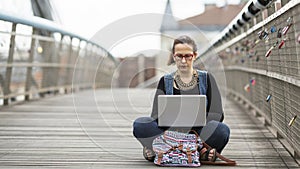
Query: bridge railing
[
  {"x": 38, "y": 57},
  {"x": 260, "y": 50}
]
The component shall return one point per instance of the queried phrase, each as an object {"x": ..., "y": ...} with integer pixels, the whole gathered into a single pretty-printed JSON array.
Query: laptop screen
[{"x": 181, "y": 110}]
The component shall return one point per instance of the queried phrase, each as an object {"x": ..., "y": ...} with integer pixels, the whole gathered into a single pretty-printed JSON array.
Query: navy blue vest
[{"x": 202, "y": 76}]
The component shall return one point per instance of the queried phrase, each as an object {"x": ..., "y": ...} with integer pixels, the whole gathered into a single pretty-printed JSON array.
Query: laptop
[{"x": 181, "y": 110}]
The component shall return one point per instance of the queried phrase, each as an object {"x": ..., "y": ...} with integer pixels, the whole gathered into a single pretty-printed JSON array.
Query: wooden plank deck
[{"x": 93, "y": 129}]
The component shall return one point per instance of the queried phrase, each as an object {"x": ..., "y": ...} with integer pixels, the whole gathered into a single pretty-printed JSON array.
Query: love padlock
[
  {"x": 279, "y": 33},
  {"x": 253, "y": 81},
  {"x": 263, "y": 34},
  {"x": 281, "y": 44},
  {"x": 247, "y": 88},
  {"x": 268, "y": 98},
  {"x": 269, "y": 51},
  {"x": 257, "y": 58},
  {"x": 273, "y": 29},
  {"x": 287, "y": 27},
  {"x": 292, "y": 120},
  {"x": 251, "y": 53},
  {"x": 256, "y": 42}
]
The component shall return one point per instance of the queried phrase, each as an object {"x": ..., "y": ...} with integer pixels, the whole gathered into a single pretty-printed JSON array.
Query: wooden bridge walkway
[{"x": 93, "y": 129}]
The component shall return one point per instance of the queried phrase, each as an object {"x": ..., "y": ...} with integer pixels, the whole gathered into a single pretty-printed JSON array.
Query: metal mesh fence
[{"x": 269, "y": 56}]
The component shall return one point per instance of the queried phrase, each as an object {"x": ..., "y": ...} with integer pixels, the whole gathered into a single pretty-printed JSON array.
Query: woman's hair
[{"x": 182, "y": 40}]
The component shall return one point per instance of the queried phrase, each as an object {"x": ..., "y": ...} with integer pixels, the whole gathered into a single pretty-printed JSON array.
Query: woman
[{"x": 186, "y": 82}]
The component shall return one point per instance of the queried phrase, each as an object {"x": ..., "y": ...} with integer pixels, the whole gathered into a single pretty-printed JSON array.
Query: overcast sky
[{"x": 86, "y": 17}]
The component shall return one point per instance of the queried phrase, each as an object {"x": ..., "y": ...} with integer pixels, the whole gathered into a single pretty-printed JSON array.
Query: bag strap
[
  {"x": 227, "y": 162},
  {"x": 194, "y": 132}
]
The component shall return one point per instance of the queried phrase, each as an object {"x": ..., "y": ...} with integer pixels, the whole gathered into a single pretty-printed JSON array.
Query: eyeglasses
[{"x": 179, "y": 56}]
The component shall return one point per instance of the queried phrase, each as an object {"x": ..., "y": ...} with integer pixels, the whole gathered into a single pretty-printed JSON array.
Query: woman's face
[{"x": 184, "y": 57}]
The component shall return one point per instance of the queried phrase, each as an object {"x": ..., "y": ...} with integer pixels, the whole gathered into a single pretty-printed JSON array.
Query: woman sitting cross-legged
[{"x": 186, "y": 81}]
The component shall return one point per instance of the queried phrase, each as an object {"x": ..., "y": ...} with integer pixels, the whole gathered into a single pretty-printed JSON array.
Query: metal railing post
[
  {"x": 30, "y": 60},
  {"x": 47, "y": 80},
  {"x": 56, "y": 68},
  {"x": 57, "y": 73},
  {"x": 81, "y": 70},
  {"x": 77, "y": 68},
  {"x": 86, "y": 66},
  {"x": 68, "y": 67},
  {"x": 10, "y": 59}
]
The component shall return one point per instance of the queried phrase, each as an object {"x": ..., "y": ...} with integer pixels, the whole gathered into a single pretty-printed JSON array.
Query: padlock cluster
[{"x": 281, "y": 36}]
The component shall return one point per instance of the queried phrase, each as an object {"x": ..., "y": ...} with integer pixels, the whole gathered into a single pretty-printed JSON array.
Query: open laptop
[{"x": 181, "y": 110}]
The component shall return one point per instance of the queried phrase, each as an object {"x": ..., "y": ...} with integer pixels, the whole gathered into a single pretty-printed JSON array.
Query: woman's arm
[
  {"x": 215, "y": 108},
  {"x": 160, "y": 90}
]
